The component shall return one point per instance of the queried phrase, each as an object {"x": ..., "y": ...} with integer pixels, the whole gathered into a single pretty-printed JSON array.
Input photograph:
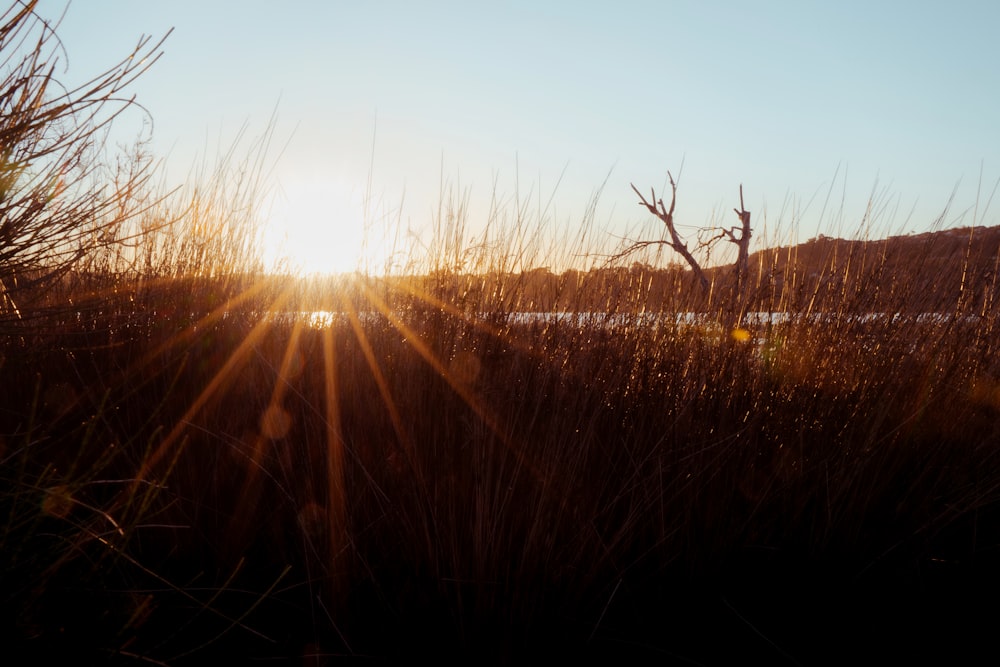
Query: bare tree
[
  {"x": 739, "y": 235},
  {"x": 675, "y": 241},
  {"x": 60, "y": 195}
]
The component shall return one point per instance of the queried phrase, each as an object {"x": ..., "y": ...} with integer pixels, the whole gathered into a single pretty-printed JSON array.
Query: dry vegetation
[{"x": 185, "y": 477}]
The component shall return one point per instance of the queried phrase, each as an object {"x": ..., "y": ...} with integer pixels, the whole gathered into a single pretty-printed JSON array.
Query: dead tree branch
[
  {"x": 742, "y": 242},
  {"x": 675, "y": 242},
  {"x": 739, "y": 235}
]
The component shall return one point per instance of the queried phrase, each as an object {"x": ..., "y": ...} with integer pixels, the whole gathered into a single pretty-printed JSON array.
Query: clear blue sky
[{"x": 780, "y": 96}]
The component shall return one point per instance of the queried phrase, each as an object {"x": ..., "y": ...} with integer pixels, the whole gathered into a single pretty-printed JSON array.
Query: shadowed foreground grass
[
  {"x": 415, "y": 481},
  {"x": 192, "y": 471}
]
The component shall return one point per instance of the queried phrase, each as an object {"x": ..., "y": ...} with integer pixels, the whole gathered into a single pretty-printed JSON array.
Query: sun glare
[{"x": 316, "y": 229}]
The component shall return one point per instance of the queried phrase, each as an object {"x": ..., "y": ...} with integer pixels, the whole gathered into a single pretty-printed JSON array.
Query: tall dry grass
[
  {"x": 192, "y": 470},
  {"x": 430, "y": 472}
]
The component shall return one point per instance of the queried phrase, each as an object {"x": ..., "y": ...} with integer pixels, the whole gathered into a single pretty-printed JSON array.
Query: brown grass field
[
  {"x": 410, "y": 479},
  {"x": 479, "y": 458}
]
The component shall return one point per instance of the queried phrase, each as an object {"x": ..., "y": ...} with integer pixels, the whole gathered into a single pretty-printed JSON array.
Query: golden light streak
[{"x": 239, "y": 356}]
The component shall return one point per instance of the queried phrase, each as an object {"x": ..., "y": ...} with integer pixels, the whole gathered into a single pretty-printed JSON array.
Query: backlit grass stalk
[{"x": 444, "y": 466}]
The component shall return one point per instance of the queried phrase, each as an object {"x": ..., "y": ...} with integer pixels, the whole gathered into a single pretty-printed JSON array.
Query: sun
[{"x": 321, "y": 228}]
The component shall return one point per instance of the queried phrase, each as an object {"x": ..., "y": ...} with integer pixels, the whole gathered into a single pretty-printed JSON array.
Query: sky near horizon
[{"x": 543, "y": 102}]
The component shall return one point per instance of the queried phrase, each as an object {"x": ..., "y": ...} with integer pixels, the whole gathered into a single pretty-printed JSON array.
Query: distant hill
[
  {"x": 954, "y": 270},
  {"x": 938, "y": 270}
]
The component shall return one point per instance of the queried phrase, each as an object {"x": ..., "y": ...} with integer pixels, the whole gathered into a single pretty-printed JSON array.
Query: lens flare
[{"x": 740, "y": 335}]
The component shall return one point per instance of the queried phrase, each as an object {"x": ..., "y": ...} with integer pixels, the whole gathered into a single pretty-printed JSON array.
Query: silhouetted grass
[
  {"x": 477, "y": 457},
  {"x": 446, "y": 479}
]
